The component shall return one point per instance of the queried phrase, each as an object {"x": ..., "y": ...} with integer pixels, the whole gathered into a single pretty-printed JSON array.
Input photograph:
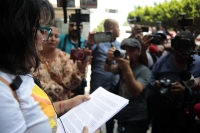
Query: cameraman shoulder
[{"x": 145, "y": 70}]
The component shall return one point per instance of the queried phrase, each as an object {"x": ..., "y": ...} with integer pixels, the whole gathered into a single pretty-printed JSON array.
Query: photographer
[
  {"x": 134, "y": 78},
  {"x": 158, "y": 46},
  {"x": 171, "y": 105},
  {"x": 100, "y": 77},
  {"x": 70, "y": 41},
  {"x": 152, "y": 47}
]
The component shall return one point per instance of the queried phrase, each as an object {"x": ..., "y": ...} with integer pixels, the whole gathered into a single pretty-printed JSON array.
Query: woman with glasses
[
  {"x": 58, "y": 74},
  {"x": 24, "y": 106}
]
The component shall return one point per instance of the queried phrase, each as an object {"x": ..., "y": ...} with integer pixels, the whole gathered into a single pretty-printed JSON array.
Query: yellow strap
[{"x": 8, "y": 84}]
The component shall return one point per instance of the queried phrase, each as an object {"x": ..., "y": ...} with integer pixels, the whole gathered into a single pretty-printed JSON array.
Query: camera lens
[
  {"x": 119, "y": 53},
  {"x": 80, "y": 55},
  {"x": 116, "y": 53}
]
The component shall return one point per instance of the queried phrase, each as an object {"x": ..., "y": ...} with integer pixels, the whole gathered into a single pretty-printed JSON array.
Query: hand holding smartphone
[{"x": 103, "y": 37}]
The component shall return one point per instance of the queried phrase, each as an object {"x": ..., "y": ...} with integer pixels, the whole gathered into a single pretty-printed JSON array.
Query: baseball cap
[
  {"x": 161, "y": 33},
  {"x": 131, "y": 42},
  {"x": 187, "y": 35}
]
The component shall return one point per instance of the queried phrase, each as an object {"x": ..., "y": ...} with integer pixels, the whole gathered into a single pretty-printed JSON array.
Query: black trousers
[{"x": 135, "y": 126}]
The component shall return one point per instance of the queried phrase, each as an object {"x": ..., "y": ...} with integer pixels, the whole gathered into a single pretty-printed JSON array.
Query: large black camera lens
[{"x": 119, "y": 53}]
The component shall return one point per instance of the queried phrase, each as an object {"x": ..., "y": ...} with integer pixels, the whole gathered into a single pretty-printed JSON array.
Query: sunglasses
[{"x": 46, "y": 32}]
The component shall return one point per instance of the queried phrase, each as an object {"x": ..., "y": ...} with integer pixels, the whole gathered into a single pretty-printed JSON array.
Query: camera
[
  {"x": 81, "y": 17},
  {"x": 158, "y": 25},
  {"x": 166, "y": 84},
  {"x": 80, "y": 54},
  {"x": 133, "y": 20},
  {"x": 185, "y": 22},
  {"x": 70, "y": 3},
  {"x": 179, "y": 43},
  {"x": 103, "y": 36},
  {"x": 156, "y": 39},
  {"x": 145, "y": 29},
  {"x": 119, "y": 53}
]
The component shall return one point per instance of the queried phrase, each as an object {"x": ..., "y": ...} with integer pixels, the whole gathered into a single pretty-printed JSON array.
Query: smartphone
[
  {"x": 103, "y": 36},
  {"x": 80, "y": 54},
  {"x": 145, "y": 29}
]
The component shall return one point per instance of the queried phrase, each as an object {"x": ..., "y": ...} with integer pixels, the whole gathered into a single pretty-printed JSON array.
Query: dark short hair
[{"x": 18, "y": 28}]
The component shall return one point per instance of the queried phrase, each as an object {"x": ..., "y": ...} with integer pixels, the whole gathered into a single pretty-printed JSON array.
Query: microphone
[
  {"x": 153, "y": 49},
  {"x": 187, "y": 78},
  {"x": 196, "y": 109}
]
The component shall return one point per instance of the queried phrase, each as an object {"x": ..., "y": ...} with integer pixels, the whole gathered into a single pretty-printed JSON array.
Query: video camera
[
  {"x": 77, "y": 5},
  {"x": 179, "y": 43},
  {"x": 183, "y": 22},
  {"x": 81, "y": 14},
  {"x": 133, "y": 20},
  {"x": 156, "y": 39},
  {"x": 81, "y": 17}
]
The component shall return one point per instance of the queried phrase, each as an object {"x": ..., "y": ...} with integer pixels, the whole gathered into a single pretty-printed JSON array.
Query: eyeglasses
[
  {"x": 72, "y": 25},
  {"x": 46, "y": 32}
]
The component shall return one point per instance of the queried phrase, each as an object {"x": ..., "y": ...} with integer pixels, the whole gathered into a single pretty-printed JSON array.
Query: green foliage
[
  {"x": 100, "y": 27},
  {"x": 168, "y": 12}
]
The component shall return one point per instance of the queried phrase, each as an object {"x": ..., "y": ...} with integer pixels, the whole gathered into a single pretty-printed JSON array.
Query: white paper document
[{"x": 93, "y": 113}]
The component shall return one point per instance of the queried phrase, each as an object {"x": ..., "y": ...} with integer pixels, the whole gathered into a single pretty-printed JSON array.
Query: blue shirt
[
  {"x": 100, "y": 77},
  {"x": 165, "y": 68},
  {"x": 69, "y": 44}
]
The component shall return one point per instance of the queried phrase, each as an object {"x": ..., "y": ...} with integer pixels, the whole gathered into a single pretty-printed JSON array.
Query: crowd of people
[{"x": 40, "y": 81}]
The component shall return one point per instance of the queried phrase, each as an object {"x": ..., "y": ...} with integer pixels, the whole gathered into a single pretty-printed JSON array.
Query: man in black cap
[{"x": 134, "y": 78}]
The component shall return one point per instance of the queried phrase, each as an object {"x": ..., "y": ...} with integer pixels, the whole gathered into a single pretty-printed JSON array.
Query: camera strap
[
  {"x": 64, "y": 44},
  {"x": 112, "y": 44}
]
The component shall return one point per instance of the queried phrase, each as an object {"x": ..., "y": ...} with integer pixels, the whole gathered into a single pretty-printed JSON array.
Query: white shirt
[{"x": 33, "y": 113}]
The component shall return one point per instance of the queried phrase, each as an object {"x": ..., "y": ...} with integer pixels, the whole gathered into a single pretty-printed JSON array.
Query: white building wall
[{"x": 99, "y": 14}]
